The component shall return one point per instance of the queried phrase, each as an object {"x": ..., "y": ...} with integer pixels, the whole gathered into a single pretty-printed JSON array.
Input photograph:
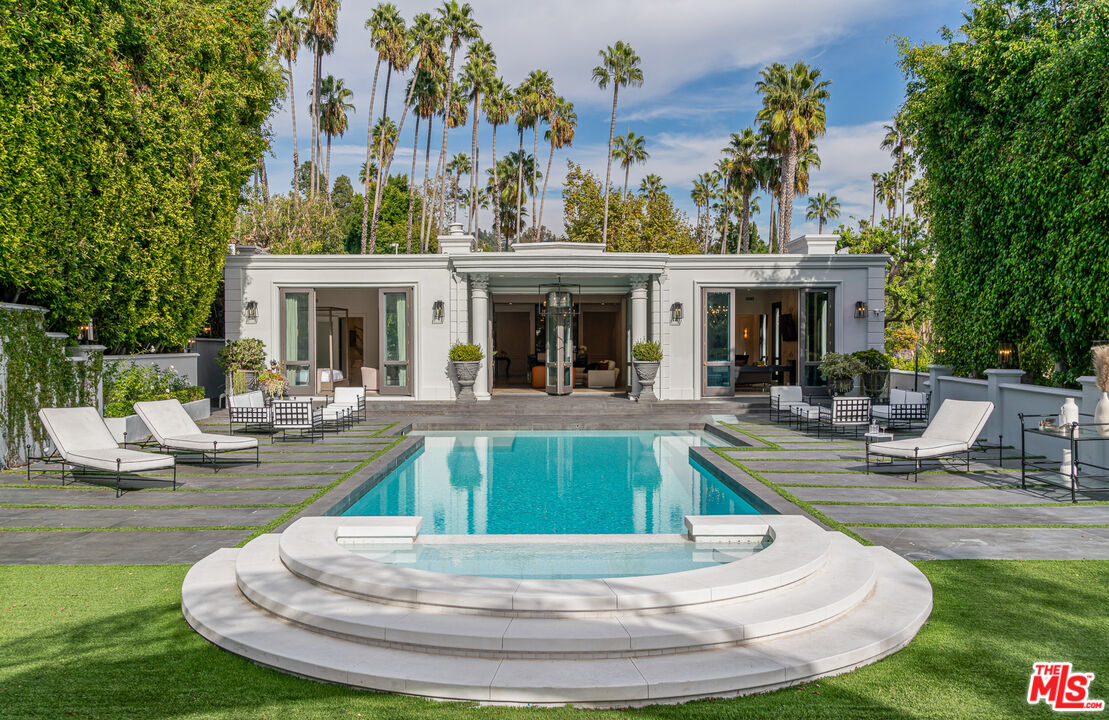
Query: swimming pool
[
  {"x": 554, "y": 482},
  {"x": 551, "y": 559}
]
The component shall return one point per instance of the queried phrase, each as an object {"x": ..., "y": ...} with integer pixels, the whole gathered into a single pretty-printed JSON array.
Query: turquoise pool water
[
  {"x": 544, "y": 482},
  {"x": 557, "y": 560}
]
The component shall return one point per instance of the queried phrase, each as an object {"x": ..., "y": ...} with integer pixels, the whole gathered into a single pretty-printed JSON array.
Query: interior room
[
  {"x": 346, "y": 335},
  {"x": 766, "y": 335}
]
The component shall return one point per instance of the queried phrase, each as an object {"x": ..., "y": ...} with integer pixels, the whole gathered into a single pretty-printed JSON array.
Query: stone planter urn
[
  {"x": 465, "y": 372},
  {"x": 646, "y": 372}
]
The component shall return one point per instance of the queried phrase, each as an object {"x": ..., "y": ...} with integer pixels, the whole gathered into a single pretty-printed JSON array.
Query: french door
[
  {"x": 298, "y": 339},
  {"x": 819, "y": 333},
  {"x": 395, "y": 340},
  {"x": 717, "y": 342}
]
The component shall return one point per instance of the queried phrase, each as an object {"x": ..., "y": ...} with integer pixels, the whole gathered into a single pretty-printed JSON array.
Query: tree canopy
[
  {"x": 1011, "y": 121},
  {"x": 126, "y": 132}
]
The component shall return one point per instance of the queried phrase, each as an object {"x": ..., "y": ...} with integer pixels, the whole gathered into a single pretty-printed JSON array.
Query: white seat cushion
[
  {"x": 806, "y": 411},
  {"x": 959, "y": 420},
  {"x": 880, "y": 411},
  {"x": 897, "y": 397},
  {"x": 918, "y": 447},
  {"x": 209, "y": 441},
  {"x": 131, "y": 460},
  {"x": 786, "y": 393},
  {"x": 915, "y": 398}
]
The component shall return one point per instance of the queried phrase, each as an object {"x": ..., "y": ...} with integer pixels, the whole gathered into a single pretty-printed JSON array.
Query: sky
[{"x": 700, "y": 62}]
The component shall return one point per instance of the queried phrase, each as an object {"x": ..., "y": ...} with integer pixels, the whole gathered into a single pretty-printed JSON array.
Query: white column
[
  {"x": 479, "y": 329},
  {"x": 639, "y": 319}
]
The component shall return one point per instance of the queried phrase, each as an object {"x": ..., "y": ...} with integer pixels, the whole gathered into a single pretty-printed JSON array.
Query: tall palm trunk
[
  {"x": 296, "y": 152},
  {"x": 535, "y": 182},
  {"x": 727, "y": 214},
  {"x": 264, "y": 178},
  {"x": 772, "y": 233},
  {"x": 785, "y": 199},
  {"x": 519, "y": 186},
  {"x": 442, "y": 166},
  {"x": 473, "y": 172},
  {"x": 327, "y": 170},
  {"x": 745, "y": 226},
  {"x": 425, "y": 209},
  {"x": 496, "y": 200},
  {"x": 608, "y": 168},
  {"x": 627, "y": 173},
  {"x": 873, "y": 203},
  {"x": 820, "y": 225},
  {"x": 546, "y": 178},
  {"x": 369, "y": 156},
  {"x": 412, "y": 187},
  {"x": 314, "y": 181},
  {"x": 379, "y": 190}
]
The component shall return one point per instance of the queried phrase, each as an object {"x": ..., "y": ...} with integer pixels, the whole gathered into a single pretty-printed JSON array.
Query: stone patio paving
[{"x": 947, "y": 514}]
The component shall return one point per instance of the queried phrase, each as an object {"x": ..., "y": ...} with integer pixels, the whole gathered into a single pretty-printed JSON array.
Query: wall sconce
[
  {"x": 744, "y": 333},
  {"x": 437, "y": 311},
  {"x": 860, "y": 310},
  {"x": 251, "y": 310},
  {"x": 1007, "y": 356},
  {"x": 676, "y": 313}
]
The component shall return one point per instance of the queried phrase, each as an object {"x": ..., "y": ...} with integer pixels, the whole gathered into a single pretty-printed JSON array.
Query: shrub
[
  {"x": 840, "y": 370},
  {"x": 874, "y": 360},
  {"x": 465, "y": 352},
  {"x": 647, "y": 351},
  {"x": 246, "y": 354},
  {"x": 126, "y": 384},
  {"x": 118, "y": 409}
]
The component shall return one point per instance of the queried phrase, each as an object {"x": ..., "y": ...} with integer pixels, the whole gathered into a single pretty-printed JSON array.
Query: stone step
[
  {"x": 308, "y": 550},
  {"x": 838, "y": 587},
  {"x": 886, "y": 621}
]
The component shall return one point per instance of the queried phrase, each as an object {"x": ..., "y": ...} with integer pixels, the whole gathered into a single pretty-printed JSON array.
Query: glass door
[
  {"x": 395, "y": 309},
  {"x": 717, "y": 342},
  {"x": 818, "y": 333},
  {"x": 560, "y": 343},
  {"x": 298, "y": 339}
]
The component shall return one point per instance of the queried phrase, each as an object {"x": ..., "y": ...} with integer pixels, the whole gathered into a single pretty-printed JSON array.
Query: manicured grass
[{"x": 109, "y": 642}]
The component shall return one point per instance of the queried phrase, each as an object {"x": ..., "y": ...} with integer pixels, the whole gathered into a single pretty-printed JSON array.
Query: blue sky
[{"x": 700, "y": 61}]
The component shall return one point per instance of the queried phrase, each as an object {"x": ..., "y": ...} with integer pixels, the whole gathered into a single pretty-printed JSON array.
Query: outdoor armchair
[
  {"x": 782, "y": 398},
  {"x": 352, "y": 397},
  {"x": 845, "y": 413},
  {"x": 249, "y": 409},
  {"x": 298, "y": 415},
  {"x": 952, "y": 432},
  {"x": 905, "y": 409},
  {"x": 82, "y": 439},
  {"x": 172, "y": 428}
]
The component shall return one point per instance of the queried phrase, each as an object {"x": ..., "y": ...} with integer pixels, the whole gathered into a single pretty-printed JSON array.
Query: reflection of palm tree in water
[
  {"x": 647, "y": 476},
  {"x": 465, "y": 474}
]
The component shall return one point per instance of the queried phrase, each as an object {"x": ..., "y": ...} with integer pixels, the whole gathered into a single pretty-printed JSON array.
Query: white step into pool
[{"x": 807, "y": 604}]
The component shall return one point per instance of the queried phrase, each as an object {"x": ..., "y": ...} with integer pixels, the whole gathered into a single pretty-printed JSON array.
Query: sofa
[{"x": 602, "y": 375}]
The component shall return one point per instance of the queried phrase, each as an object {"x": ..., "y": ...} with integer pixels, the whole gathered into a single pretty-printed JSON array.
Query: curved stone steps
[
  {"x": 836, "y": 588},
  {"x": 881, "y": 624},
  {"x": 309, "y": 551}
]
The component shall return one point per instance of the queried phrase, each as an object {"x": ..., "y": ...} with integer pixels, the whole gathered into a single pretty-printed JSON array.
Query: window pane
[
  {"x": 718, "y": 325},
  {"x": 396, "y": 375},
  {"x": 718, "y": 375},
  {"x": 396, "y": 327},
  {"x": 296, "y": 327}
]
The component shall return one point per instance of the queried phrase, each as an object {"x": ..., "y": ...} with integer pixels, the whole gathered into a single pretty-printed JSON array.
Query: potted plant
[
  {"x": 840, "y": 371},
  {"x": 466, "y": 359},
  {"x": 646, "y": 356},
  {"x": 242, "y": 360},
  {"x": 876, "y": 375},
  {"x": 273, "y": 380}
]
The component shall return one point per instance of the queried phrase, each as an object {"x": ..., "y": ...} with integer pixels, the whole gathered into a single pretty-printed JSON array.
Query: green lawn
[{"x": 110, "y": 642}]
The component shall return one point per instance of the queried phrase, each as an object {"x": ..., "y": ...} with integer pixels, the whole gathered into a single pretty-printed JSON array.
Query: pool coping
[{"x": 340, "y": 498}]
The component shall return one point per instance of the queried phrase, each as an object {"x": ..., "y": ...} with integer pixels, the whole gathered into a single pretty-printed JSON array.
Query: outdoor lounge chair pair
[
  {"x": 951, "y": 433},
  {"x": 172, "y": 428}
]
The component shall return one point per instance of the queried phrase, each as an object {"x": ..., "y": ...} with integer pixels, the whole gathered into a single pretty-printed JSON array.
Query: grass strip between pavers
[
  {"x": 889, "y": 487},
  {"x": 806, "y": 506},
  {"x": 36, "y": 528},
  {"x": 970, "y": 505},
  {"x": 1033, "y": 526},
  {"x": 57, "y": 506}
]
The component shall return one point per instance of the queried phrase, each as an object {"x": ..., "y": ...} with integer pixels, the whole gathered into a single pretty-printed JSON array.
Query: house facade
[{"x": 558, "y": 318}]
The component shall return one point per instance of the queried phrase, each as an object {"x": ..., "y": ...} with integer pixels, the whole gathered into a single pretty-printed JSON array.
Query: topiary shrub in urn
[
  {"x": 840, "y": 371},
  {"x": 646, "y": 356},
  {"x": 466, "y": 360}
]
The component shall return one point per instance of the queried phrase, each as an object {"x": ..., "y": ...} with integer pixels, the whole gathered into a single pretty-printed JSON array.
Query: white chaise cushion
[
  {"x": 349, "y": 395},
  {"x": 959, "y": 420},
  {"x": 786, "y": 394},
  {"x": 920, "y": 447},
  {"x": 915, "y": 398},
  {"x": 82, "y": 438},
  {"x": 880, "y": 411},
  {"x": 897, "y": 396},
  {"x": 250, "y": 399},
  {"x": 172, "y": 427}
]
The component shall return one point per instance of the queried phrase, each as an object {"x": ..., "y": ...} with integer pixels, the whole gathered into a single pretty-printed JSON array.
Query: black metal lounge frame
[
  {"x": 205, "y": 455},
  {"x": 916, "y": 459},
  {"x": 56, "y": 459}
]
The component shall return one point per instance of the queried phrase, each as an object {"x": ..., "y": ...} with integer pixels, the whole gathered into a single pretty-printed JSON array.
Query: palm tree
[
  {"x": 619, "y": 66},
  {"x": 382, "y": 24},
  {"x": 398, "y": 53},
  {"x": 563, "y": 123},
  {"x": 457, "y": 22},
  {"x": 745, "y": 149},
  {"x": 480, "y": 70},
  {"x": 384, "y": 136},
  {"x": 724, "y": 169},
  {"x": 793, "y": 105},
  {"x": 896, "y": 140},
  {"x": 629, "y": 150},
  {"x": 518, "y": 175},
  {"x": 875, "y": 178},
  {"x": 822, "y": 208},
  {"x": 768, "y": 174},
  {"x": 651, "y": 186},
  {"x": 888, "y": 191},
  {"x": 288, "y": 34},
  {"x": 426, "y": 94},
  {"x": 458, "y": 166},
  {"x": 525, "y": 118},
  {"x": 497, "y": 105},
  {"x": 333, "y": 117},
  {"x": 542, "y": 105},
  {"x": 320, "y": 27},
  {"x": 362, "y": 174},
  {"x": 704, "y": 189}
]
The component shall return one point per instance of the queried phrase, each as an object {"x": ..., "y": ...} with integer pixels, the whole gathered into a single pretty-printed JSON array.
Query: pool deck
[{"x": 980, "y": 514}]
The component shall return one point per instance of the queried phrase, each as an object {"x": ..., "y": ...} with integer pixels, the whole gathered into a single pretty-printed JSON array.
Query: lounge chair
[
  {"x": 81, "y": 438},
  {"x": 782, "y": 398},
  {"x": 845, "y": 413},
  {"x": 249, "y": 409},
  {"x": 905, "y": 409},
  {"x": 952, "y": 432},
  {"x": 172, "y": 428},
  {"x": 352, "y": 397},
  {"x": 298, "y": 415}
]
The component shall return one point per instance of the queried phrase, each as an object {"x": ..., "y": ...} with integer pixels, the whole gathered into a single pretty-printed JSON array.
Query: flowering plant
[{"x": 273, "y": 379}]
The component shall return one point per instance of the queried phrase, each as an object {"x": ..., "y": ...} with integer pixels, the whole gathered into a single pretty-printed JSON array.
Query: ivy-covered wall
[
  {"x": 127, "y": 128},
  {"x": 36, "y": 371}
]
